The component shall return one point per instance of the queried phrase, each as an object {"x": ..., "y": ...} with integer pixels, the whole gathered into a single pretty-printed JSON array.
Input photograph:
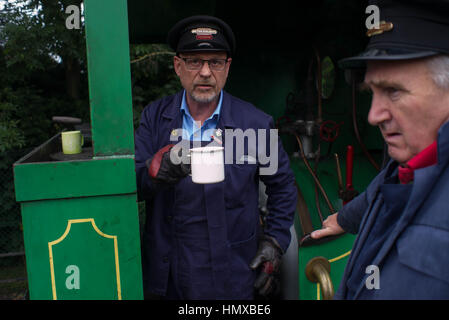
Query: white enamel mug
[{"x": 207, "y": 164}]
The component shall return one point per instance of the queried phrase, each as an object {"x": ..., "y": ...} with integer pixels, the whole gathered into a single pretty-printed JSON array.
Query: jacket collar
[
  {"x": 227, "y": 112},
  {"x": 443, "y": 144},
  {"x": 425, "y": 179},
  {"x": 174, "y": 109}
]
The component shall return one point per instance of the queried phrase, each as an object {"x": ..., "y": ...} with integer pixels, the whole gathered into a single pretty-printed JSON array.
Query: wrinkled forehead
[{"x": 385, "y": 72}]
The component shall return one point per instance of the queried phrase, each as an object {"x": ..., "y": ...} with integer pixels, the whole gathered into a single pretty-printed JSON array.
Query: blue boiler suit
[
  {"x": 404, "y": 231},
  {"x": 200, "y": 239}
]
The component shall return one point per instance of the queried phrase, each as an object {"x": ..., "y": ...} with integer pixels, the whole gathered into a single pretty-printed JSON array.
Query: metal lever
[
  {"x": 318, "y": 271},
  {"x": 348, "y": 193},
  {"x": 339, "y": 176},
  {"x": 67, "y": 120},
  {"x": 349, "y": 167}
]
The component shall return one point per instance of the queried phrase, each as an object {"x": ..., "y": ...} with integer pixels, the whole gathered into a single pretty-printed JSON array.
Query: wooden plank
[{"x": 68, "y": 179}]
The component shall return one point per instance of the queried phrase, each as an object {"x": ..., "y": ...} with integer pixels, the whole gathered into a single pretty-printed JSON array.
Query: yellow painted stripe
[
  {"x": 318, "y": 293},
  {"x": 64, "y": 235},
  {"x": 340, "y": 257}
]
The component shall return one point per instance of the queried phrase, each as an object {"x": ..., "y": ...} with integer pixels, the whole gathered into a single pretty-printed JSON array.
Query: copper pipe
[
  {"x": 303, "y": 212},
  {"x": 317, "y": 199},
  {"x": 340, "y": 178},
  {"x": 319, "y": 84},
  {"x": 331, "y": 208},
  {"x": 356, "y": 130},
  {"x": 319, "y": 120}
]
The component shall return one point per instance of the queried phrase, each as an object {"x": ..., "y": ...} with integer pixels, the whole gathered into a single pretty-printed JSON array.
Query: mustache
[
  {"x": 204, "y": 84},
  {"x": 387, "y": 127}
]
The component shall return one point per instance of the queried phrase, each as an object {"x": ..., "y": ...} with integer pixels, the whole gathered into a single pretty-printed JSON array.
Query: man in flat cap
[
  {"x": 402, "y": 219},
  {"x": 204, "y": 241}
]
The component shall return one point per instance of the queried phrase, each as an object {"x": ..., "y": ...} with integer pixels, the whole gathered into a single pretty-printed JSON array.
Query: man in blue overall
[
  {"x": 204, "y": 241},
  {"x": 402, "y": 219}
]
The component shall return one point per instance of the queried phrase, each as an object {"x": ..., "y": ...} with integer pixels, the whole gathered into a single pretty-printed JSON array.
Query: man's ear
[
  {"x": 177, "y": 64},
  {"x": 228, "y": 66}
]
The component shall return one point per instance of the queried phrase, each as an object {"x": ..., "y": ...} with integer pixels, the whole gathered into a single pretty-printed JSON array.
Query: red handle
[{"x": 349, "y": 166}]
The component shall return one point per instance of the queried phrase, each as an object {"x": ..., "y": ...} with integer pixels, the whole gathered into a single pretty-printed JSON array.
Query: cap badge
[
  {"x": 383, "y": 27},
  {"x": 204, "y": 33}
]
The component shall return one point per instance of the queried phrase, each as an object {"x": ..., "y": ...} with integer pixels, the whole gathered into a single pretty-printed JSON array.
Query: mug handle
[{"x": 189, "y": 155}]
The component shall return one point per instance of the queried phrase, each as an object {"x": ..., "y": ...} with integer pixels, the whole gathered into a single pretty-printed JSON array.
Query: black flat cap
[
  {"x": 201, "y": 33},
  {"x": 409, "y": 29}
]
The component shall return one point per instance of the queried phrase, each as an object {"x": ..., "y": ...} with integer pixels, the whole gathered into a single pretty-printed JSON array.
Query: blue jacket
[
  {"x": 206, "y": 235},
  {"x": 404, "y": 231}
]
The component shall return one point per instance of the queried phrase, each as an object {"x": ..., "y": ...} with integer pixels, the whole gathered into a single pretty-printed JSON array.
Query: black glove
[
  {"x": 162, "y": 170},
  {"x": 269, "y": 256}
]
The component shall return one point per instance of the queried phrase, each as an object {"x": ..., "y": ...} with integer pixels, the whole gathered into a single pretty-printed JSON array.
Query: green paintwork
[
  {"x": 46, "y": 221},
  {"x": 362, "y": 174},
  {"x": 107, "y": 45},
  {"x": 80, "y": 217},
  {"x": 68, "y": 179},
  {"x": 52, "y": 193}
]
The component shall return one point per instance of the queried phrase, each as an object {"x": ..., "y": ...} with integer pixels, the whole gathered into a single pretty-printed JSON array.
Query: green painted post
[
  {"x": 80, "y": 217},
  {"x": 107, "y": 42}
]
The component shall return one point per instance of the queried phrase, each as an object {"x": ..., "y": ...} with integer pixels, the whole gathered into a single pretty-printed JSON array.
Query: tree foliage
[
  {"x": 153, "y": 75},
  {"x": 43, "y": 72}
]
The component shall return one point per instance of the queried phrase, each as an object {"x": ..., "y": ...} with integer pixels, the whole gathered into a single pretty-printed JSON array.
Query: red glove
[{"x": 162, "y": 170}]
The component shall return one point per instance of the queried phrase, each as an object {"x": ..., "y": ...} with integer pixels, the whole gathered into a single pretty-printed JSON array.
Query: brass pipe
[
  {"x": 317, "y": 199},
  {"x": 340, "y": 179},
  {"x": 318, "y": 271},
  {"x": 303, "y": 212},
  {"x": 357, "y": 133}
]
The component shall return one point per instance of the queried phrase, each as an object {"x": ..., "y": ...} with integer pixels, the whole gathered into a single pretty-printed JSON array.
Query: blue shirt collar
[
  {"x": 216, "y": 113},
  {"x": 190, "y": 128}
]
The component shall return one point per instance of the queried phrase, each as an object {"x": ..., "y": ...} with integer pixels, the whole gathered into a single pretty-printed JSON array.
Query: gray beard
[{"x": 204, "y": 99}]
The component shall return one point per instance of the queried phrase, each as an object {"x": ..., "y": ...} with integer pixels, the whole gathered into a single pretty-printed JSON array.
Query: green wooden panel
[
  {"x": 106, "y": 25},
  {"x": 79, "y": 252},
  {"x": 93, "y": 243},
  {"x": 67, "y": 179}
]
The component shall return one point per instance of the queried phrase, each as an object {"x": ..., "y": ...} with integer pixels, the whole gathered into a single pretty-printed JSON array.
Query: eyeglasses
[{"x": 194, "y": 64}]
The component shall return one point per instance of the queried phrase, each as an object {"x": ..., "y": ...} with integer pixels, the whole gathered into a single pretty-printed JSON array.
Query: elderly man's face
[
  {"x": 203, "y": 85},
  {"x": 406, "y": 105}
]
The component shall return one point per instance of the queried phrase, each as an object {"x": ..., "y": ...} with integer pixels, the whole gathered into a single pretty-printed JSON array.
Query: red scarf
[{"x": 425, "y": 158}]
